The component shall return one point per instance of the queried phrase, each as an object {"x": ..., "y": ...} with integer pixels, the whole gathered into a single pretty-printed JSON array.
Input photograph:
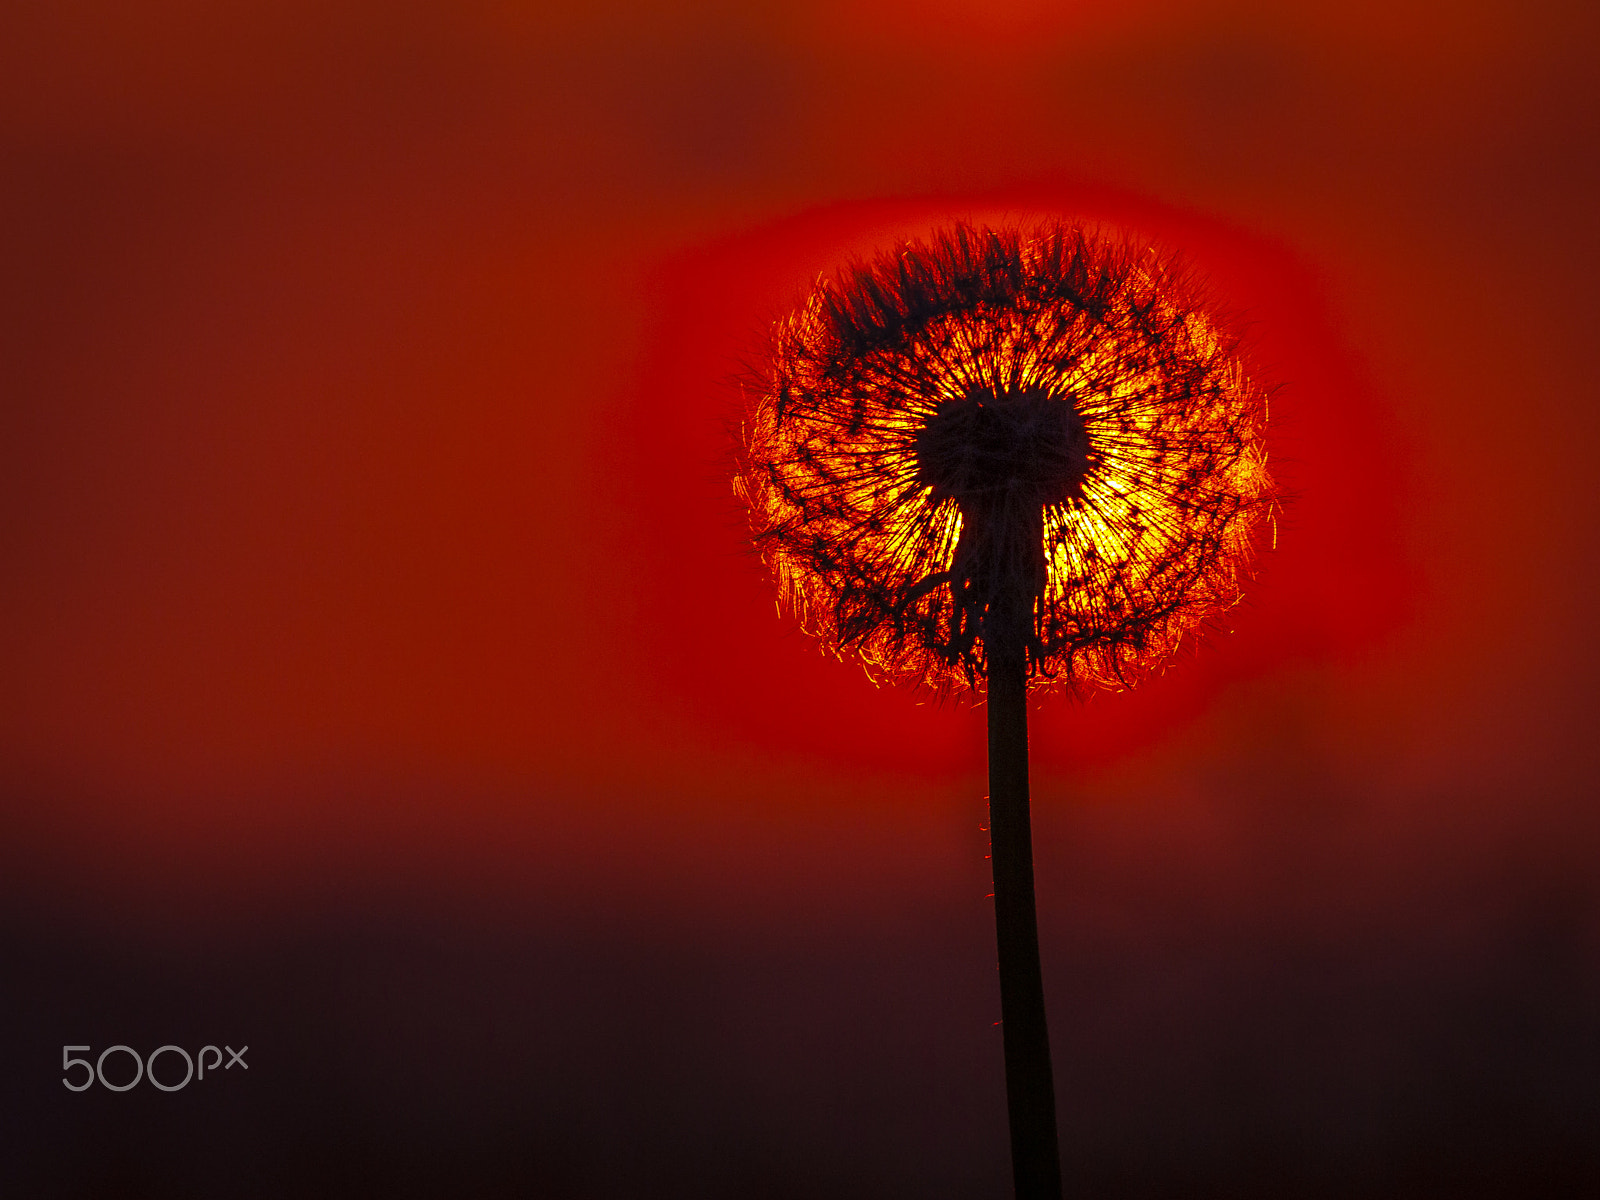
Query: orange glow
[{"x": 1159, "y": 534}]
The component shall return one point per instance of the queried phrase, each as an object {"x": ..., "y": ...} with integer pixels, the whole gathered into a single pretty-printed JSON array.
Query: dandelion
[{"x": 1001, "y": 460}]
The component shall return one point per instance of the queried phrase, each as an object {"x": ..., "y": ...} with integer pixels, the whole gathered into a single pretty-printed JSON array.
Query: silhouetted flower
[{"x": 1045, "y": 413}]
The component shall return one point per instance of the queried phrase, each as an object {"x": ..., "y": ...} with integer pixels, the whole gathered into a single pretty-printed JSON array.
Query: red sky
[
  {"x": 366, "y": 377},
  {"x": 365, "y": 525}
]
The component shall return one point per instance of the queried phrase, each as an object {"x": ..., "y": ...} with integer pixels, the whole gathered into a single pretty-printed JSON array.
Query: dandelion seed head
[{"x": 1045, "y": 412}]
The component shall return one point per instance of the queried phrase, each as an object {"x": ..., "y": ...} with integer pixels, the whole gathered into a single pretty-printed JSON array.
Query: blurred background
[{"x": 386, "y": 685}]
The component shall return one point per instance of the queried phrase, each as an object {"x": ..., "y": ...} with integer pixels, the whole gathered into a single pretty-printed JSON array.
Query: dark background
[{"x": 385, "y": 687}]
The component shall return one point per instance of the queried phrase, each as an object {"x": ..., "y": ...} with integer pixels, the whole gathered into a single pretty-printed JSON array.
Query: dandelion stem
[{"x": 1030, "y": 1086}]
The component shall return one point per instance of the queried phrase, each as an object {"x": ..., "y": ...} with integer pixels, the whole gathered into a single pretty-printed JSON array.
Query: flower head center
[{"x": 1027, "y": 446}]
